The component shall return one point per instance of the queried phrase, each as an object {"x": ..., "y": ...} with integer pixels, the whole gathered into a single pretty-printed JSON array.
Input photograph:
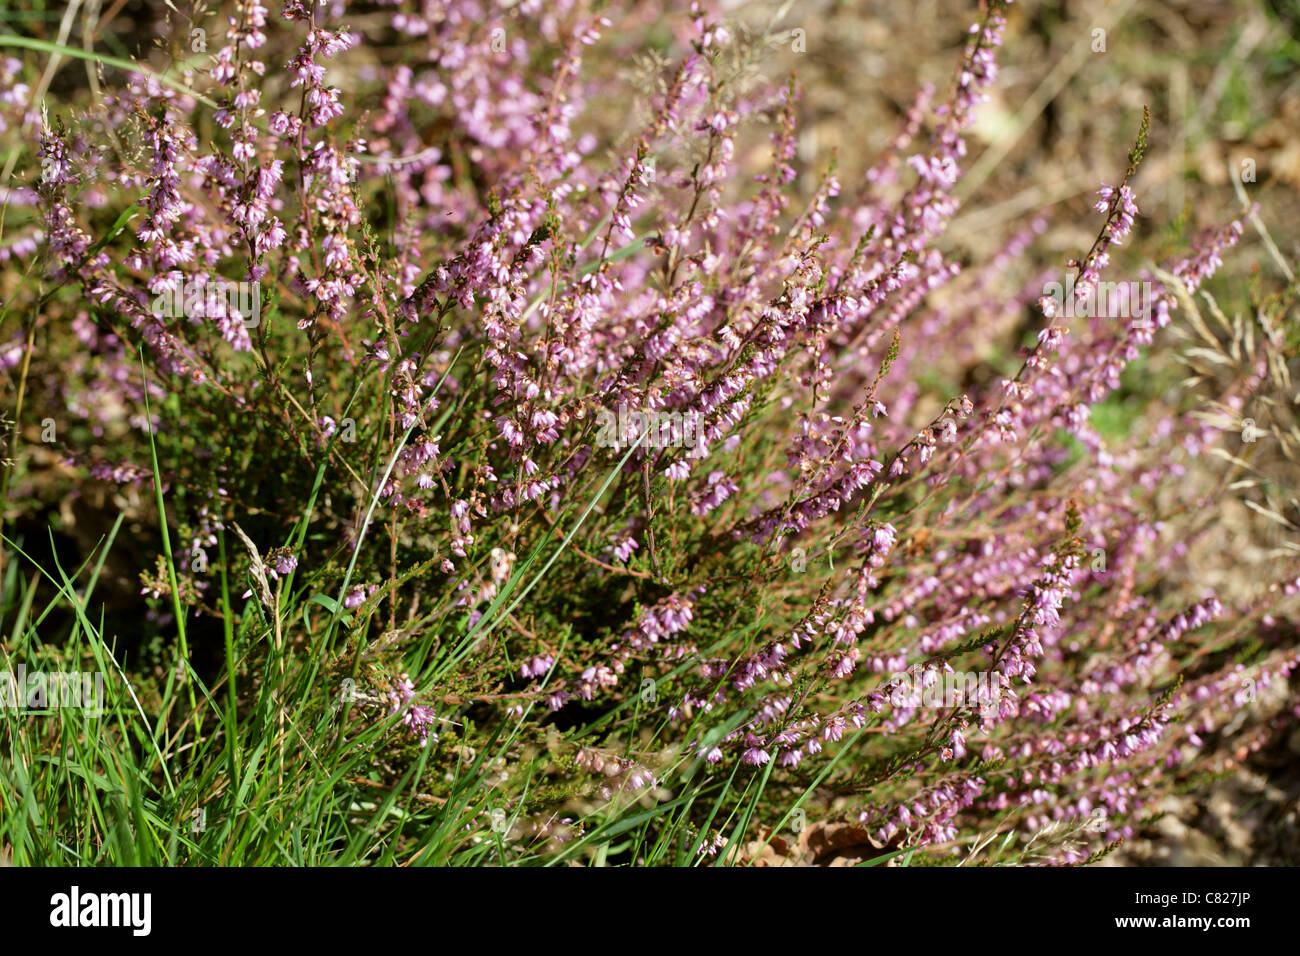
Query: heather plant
[{"x": 488, "y": 481}]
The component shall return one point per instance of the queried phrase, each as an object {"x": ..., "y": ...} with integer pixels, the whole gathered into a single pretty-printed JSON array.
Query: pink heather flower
[
  {"x": 711, "y": 754},
  {"x": 416, "y": 717},
  {"x": 623, "y": 547},
  {"x": 749, "y": 335},
  {"x": 282, "y": 562},
  {"x": 538, "y": 666}
]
